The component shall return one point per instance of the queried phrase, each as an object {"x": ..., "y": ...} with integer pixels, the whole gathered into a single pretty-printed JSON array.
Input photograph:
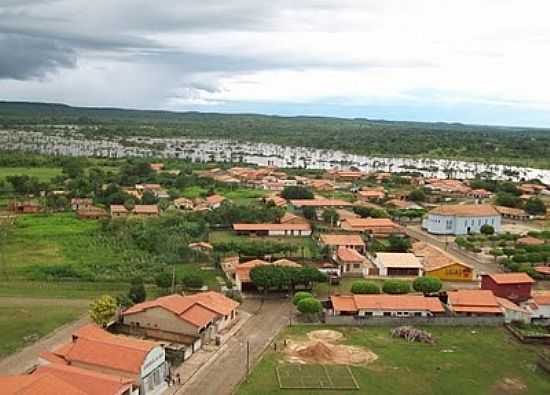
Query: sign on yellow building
[{"x": 447, "y": 269}]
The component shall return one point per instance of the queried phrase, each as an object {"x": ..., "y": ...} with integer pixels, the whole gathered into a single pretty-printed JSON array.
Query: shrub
[
  {"x": 487, "y": 229},
  {"x": 137, "y": 290},
  {"x": 396, "y": 287},
  {"x": 163, "y": 280},
  {"x": 298, "y": 296},
  {"x": 365, "y": 287},
  {"x": 192, "y": 281},
  {"x": 427, "y": 284},
  {"x": 309, "y": 306},
  {"x": 103, "y": 309}
]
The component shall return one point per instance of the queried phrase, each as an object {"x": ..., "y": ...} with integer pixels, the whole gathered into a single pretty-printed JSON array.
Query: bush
[
  {"x": 396, "y": 287},
  {"x": 309, "y": 306},
  {"x": 487, "y": 229},
  {"x": 298, "y": 296},
  {"x": 427, "y": 284},
  {"x": 137, "y": 290},
  {"x": 365, "y": 287},
  {"x": 103, "y": 309},
  {"x": 192, "y": 281},
  {"x": 163, "y": 280}
]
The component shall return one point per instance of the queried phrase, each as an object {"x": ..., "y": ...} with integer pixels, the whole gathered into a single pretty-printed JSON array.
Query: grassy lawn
[
  {"x": 472, "y": 361},
  {"x": 308, "y": 248},
  {"x": 57, "y": 289},
  {"x": 42, "y": 173},
  {"x": 238, "y": 195},
  {"x": 34, "y": 321}
]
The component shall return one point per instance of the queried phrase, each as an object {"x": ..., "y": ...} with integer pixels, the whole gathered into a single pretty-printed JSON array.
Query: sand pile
[{"x": 319, "y": 351}]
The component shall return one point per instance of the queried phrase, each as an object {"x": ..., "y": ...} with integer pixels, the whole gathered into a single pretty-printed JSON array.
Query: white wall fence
[{"x": 398, "y": 321}]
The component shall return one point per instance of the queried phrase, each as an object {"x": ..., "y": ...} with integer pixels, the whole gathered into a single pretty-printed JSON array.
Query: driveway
[{"x": 222, "y": 376}]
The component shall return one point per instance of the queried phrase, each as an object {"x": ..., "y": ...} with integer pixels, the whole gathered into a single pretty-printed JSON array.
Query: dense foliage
[
  {"x": 427, "y": 284},
  {"x": 365, "y": 287},
  {"x": 396, "y": 287}
]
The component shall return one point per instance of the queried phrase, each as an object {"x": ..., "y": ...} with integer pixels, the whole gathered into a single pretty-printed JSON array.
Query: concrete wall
[{"x": 396, "y": 321}]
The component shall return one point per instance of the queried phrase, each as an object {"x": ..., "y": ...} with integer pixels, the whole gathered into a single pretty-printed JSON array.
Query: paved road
[
  {"x": 228, "y": 369},
  {"x": 452, "y": 249},
  {"x": 27, "y": 357}
]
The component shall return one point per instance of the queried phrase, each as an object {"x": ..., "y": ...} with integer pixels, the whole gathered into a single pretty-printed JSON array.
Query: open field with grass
[
  {"x": 21, "y": 325},
  {"x": 42, "y": 173},
  {"x": 469, "y": 361},
  {"x": 307, "y": 247},
  {"x": 239, "y": 195}
]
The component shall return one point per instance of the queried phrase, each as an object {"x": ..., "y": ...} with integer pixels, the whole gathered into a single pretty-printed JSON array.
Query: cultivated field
[{"x": 472, "y": 361}]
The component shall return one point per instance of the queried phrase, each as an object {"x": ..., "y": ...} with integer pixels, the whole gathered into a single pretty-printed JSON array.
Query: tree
[
  {"x": 309, "y": 306},
  {"x": 103, "y": 309},
  {"x": 365, "y": 287},
  {"x": 535, "y": 206},
  {"x": 487, "y": 230},
  {"x": 398, "y": 243},
  {"x": 507, "y": 199},
  {"x": 330, "y": 216},
  {"x": 396, "y": 287},
  {"x": 193, "y": 281},
  {"x": 149, "y": 197},
  {"x": 269, "y": 276},
  {"x": 417, "y": 195},
  {"x": 124, "y": 301},
  {"x": 137, "y": 291},
  {"x": 298, "y": 296},
  {"x": 427, "y": 284},
  {"x": 310, "y": 213},
  {"x": 296, "y": 192},
  {"x": 163, "y": 280}
]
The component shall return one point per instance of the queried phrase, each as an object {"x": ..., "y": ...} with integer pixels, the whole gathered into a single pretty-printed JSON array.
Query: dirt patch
[
  {"x": 324, "y": 353},
  {"x": 326, "y": 335},
  {"x": 509, "y": 386}
]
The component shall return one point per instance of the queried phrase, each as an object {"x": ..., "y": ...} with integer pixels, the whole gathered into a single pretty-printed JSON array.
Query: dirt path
[
  {"x": 28, "y": 356},
  {"x": 228, "y": 369}
]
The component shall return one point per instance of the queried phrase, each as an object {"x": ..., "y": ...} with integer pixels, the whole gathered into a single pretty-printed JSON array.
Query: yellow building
[{"x": 447, "y": 269}]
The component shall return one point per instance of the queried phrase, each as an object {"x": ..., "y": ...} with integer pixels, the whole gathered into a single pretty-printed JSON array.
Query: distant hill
[{"x": 519, "y": 145}]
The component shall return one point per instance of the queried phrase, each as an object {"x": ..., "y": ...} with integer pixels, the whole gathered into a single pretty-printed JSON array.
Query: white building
[
  {"x": 539, "y": 306},
  {"x": 398, "y": 264},
  {"x": 461, "y": 219},
  {"x": 386, "y": 305}
]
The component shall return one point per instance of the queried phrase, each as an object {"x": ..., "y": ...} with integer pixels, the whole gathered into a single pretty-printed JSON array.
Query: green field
[
  {"x": 42, "y": 173},
  {"x": 32, "y": 322},
  {"x": 469, "y": 361},
  {"x": 238, "y": 195}
]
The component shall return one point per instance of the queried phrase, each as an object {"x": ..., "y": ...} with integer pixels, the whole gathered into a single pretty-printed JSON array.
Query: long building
[{"x": 461, "y": 219}]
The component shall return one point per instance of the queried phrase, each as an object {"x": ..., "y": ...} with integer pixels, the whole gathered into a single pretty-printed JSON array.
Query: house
[
  {"x": 300, "y": 229},
  {"x": 202, "y": 246},
  {"x": 228, "y": 265},
  {"x": 474, "y": 302},
  {"x": 513, "y": 312},
  {"x": 146, "y": 210},
  {"x": 403, "y": 204},
  {"x": 156, "y": 166},
  {"x": 322, "y": 185},
  {"x": 437, "y": 263},
  {"x": 183, "y": 319},
  {"x": 386, "y": 305},
  {"x": 544, "y": 271},
  {"x": 276, "y": 201},
  {"x": 289, "y": 218},
  {"x": 345, "y": 175},
  {"x": 512, "y": 286},
  {"x": 183, "y": 203},
  {"x": 515, "y": 214},
  {"x": 461, "y": 219},
  {"x": 320, "y": 203},
  {"x": 350, "y": 261},
  {"x": 26, "y": 207},
  {"x": 118, "y": 210},
  {"x": 91, "y": 213},
  {"x": 479, "y": 194},
  {"x": 345, "y": 214},
  {"x": 398, "y": 264},
  {"x": 448, "y": 187},
  {"x": 446, "y": 268},
  {"x": 95, "y": 349},
  {"x": 539, "y": 306},
  {"x": 370, "y": 195},
  {"x": 57, "y": 379},
  {"x": 81, "y": 203},
  {"x": 333, "y": 241},
  {"x": 243, "y": 281},
  {"x": 376, "y": 227},
  {"x": 214, "y": 201}
]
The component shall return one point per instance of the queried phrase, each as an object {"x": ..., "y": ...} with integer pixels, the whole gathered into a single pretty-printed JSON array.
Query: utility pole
[{"x": 174, "y": 279}]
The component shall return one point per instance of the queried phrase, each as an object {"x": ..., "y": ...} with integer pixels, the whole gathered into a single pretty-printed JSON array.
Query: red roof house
[{"x": 512, "y": 286}]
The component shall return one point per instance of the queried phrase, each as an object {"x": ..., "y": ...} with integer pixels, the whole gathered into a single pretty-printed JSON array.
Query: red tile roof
[
  {"x": 349, "y": 255},
  {"x": 542, "y": 269},
  {"x": 511, "y": 278},
  {"x": 37, "y": 384},
  {"x": 320, "y": 203},
  {"x": 541, "y": 297},
  {"x": 267, "y": 227},
  {"x": 146, "y": 209},
  {"x": 474, "y": 301},
  {"x": 466, "y": 210},
  {"x": 214, "y": 199},
  {"x": 342, "y": 240},
  {"x": 118, "y": 208},
  {"x": 387, "y": 303}
]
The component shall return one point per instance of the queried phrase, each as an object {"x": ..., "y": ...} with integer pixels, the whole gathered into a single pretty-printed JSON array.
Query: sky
[{"x": 471, "y": 61}]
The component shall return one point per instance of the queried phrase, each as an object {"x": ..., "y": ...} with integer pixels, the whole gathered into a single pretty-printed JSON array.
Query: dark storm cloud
[{"x": 24, "y": 57}]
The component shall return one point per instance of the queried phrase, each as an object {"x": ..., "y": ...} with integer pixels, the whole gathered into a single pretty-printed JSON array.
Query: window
[
  {"x": 387, "y": 314},
  {"x": 356, "y": 265}
]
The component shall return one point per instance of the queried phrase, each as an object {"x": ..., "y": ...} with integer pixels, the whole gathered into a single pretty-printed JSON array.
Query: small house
[
  {"x": 214, "y": 201},
  {"x": 118, "y": 210},
  {"x": 398, "y": 264},
  {"x": 146, "y": 210},
  {"x": 334, "y": 241},
  {"x": 350, "y": 261},
  {"x": 512, "y": 286},
  {"x": 81, "y": 203},
  {"x": 474, "y": 302},
  {"x": 386, "y": 305},
  {"x": 376, "y": 227}
]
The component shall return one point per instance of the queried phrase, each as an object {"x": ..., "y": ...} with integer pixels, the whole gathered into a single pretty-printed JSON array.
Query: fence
[{"x": 397, "y": 321}]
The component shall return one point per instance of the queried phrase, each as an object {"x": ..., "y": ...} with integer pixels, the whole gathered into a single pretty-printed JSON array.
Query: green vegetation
[
  {"x": 41, "y": 173},
  {"x": 365, "y": 287},
  {"x": 463, "y": 361},
  {"x": 396, "y": 287},
  {"x": 103, "y": 309},
  {"x": 298, "y": 296},
  {"x": 21, "y": 325},
  {"x": 427, "y": 284},
  {"x": 309, "y": 306}
]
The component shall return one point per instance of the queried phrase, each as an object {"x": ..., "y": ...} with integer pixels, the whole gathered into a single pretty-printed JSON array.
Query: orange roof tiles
[
  {"x": 474, "y": 301},
  {"x": 37, "y": 384},
  {"x": 342, "y": 240},
  {"x": 214, "y": 199},
  {"x": 320, "y": 203},
  {"x": 349, "y": 255},
  {"x": 388, "y": 303},
  {"x": 541, "y": 297},
  {"x": 542, "y": 269},
  {"x": 511, "y": 278},
  {"x": 146, "y": 209},
  {"x": 466, "y": 210},
  {"x": 268, "y": 227}
]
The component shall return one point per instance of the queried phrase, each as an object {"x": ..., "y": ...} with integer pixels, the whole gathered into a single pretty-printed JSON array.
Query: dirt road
[{"x": 228, "y": 369}]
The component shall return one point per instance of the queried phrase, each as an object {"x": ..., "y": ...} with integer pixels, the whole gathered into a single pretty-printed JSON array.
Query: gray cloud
[{"x": 24, "y": 57}]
